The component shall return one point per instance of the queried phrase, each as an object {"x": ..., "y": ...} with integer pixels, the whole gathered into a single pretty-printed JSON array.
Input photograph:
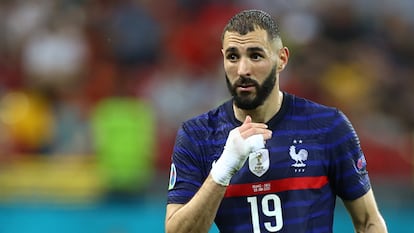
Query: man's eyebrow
[
  {"x": 250, "y": 50},
  {"x": 231, "y": 50},
  {"x": 255, "y": 49}
]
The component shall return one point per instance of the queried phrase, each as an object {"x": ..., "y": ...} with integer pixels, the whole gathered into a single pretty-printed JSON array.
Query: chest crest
[{"x": 298, "y": 155}]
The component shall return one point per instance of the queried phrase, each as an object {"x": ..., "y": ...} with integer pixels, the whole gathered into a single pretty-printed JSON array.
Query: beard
[{"x": 245, "y": 100}]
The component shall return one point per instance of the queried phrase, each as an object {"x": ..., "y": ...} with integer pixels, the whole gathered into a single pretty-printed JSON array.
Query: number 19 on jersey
[{"x": 268, "y": 201}]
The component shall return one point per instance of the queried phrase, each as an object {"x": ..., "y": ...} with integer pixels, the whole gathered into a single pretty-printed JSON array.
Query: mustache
[{"x": 243, "y": 81}]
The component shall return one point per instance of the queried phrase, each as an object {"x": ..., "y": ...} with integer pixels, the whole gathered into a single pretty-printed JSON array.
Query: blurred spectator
[
  {"x": 124, "y": 140},
  {"x": 55, "y": 57},
  {"x": 192, "y": 41},
  {"x": 133, "y": 34},
  {"x": 28, "y": 119}
]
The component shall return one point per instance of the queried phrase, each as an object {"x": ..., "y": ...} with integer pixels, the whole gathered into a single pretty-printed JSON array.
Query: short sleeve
[
  {"x": 348, "y": 167},
  {"x": 186, "y": 176}
]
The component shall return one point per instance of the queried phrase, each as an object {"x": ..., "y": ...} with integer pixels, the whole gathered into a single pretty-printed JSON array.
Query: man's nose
[{"x": 244, "y": 67}]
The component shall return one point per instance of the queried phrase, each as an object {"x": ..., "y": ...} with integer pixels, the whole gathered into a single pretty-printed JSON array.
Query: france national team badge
[
  {"x": 259, "y": 162},
  {"x": 173, "y": 177},
  {"x": 299, "y": 156}
]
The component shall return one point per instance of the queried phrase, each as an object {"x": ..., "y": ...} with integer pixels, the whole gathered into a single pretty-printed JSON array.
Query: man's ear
[{"x": 283, "y": 58}]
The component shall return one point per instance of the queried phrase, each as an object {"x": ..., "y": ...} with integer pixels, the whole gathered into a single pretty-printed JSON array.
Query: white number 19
[{"x": 276, "y": 212}]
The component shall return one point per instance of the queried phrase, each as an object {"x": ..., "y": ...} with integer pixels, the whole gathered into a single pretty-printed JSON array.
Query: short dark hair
[{"x": 248, "y": 20}]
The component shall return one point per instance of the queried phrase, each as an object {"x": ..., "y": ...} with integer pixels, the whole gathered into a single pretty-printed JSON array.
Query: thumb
[{"x": 247, "y": 120}]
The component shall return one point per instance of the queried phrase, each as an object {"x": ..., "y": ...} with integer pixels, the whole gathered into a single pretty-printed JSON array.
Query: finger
[
  {"x": 252, "y": 127},
  {"x": 249, "y": 124},
  {"x": 267, "y": 134}
]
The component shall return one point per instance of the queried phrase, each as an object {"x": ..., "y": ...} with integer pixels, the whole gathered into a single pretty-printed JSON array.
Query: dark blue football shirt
[{"x": 290, "y": 186}]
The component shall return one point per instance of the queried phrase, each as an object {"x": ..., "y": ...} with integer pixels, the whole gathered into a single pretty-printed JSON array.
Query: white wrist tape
[
  {"x": 235, "y": 153},
  {"x": 255, "y": 142}
]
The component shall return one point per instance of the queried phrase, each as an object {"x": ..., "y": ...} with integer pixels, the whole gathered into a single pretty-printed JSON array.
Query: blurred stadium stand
[{"x": 61, "y": 60}]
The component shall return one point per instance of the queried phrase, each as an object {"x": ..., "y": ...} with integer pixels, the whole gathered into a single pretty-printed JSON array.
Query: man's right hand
[{"x": 242, "y": 141}]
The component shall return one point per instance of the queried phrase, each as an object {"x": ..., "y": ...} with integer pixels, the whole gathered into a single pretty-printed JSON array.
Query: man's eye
[
  {"x": 232, "y": 57},
  {"x": 256, "y": 56}
]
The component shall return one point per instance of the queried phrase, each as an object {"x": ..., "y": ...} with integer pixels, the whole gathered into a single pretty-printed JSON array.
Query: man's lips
[{"x": 246, "y": 87}]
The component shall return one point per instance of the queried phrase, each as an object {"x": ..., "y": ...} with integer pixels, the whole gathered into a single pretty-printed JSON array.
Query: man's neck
[{"x": 264, "y": 112}]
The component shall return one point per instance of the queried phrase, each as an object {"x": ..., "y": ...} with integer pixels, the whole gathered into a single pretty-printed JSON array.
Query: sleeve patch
[{"x": 173, "y": 177}]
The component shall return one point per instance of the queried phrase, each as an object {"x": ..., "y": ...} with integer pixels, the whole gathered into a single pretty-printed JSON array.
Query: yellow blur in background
[{"x": 28, "y": 119}]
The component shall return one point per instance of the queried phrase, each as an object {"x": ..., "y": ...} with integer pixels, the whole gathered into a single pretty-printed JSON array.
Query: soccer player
[{"x": 266, "y": 160}]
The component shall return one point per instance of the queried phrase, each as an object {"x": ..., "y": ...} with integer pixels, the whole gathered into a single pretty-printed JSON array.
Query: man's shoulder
[
  {"x": 312, "y": 106},
  {"x": 210, "y": 119}
]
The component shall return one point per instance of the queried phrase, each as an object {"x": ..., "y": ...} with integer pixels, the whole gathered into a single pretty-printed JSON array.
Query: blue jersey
[{"x": 291, "y": 185}]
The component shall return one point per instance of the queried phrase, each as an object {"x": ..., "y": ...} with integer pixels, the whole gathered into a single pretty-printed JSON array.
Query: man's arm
[
  {"x": 365, "y": 214},
  {"x": 199, "y": 213}
]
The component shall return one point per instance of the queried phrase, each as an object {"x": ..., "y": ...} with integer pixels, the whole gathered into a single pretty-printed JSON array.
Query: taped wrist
[{"x": 235, "y": 154}]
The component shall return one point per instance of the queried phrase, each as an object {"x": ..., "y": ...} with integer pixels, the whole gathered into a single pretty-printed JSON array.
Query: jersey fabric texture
[{"x": 314, "y": 156}]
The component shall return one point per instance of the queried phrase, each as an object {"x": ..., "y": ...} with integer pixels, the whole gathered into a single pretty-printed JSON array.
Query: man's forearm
[
  {"x": 199, "y": 213},
  {"x": 377, "y": 226}
]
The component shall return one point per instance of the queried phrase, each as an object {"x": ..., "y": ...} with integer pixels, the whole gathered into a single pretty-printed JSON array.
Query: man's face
[{"x": 250, "y": 67}]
